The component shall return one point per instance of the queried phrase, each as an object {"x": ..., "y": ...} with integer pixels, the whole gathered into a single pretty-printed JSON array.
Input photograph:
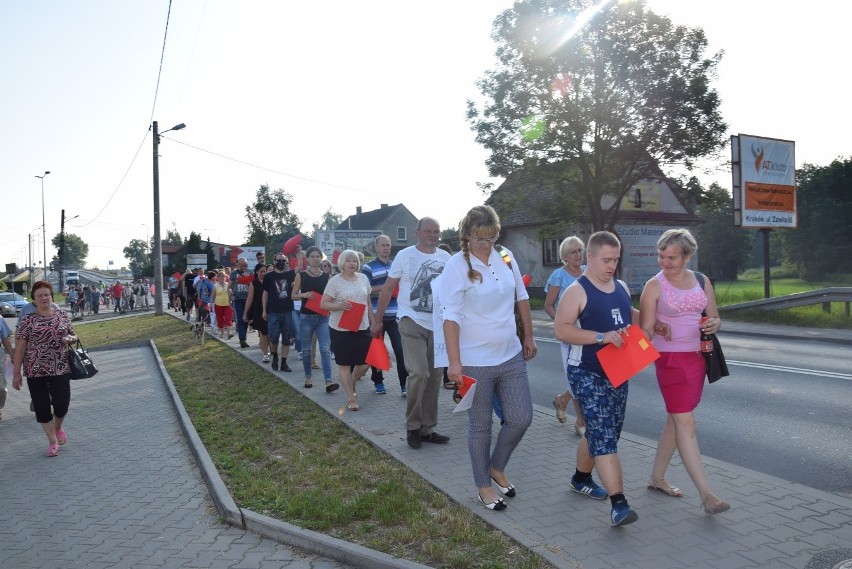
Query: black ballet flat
[
  {"x": 508, "y": 492},
  {"x": 498, "y": 505}
]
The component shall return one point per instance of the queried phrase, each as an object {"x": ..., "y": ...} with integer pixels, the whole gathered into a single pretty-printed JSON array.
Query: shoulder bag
[
  {"x": 82, "y": 365},
  {"x": 714, "y": 361}
]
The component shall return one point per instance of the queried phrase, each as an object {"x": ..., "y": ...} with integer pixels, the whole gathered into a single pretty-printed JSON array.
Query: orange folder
[
  {"x": 313, "y": 303},
  {"x": 351, "y": 319},
  {"x": 377, "y": 355},
  {"x": 620, "y": 364}
]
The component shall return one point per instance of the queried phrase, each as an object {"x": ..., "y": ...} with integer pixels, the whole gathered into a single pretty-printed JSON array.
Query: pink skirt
[{"x": 681, "y": 379}]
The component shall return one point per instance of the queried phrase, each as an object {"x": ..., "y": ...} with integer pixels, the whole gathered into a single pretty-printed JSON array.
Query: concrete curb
[
  {"x": 282, "y": 532},
  {"x": 225, "y": 504},
  {"x": 321, "y": 544}
]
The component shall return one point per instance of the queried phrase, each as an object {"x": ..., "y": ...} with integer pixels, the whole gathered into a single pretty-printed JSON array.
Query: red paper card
[
  {"x": 351, "y": 319},
  {"x": 377, "y": 355},
  {"x": 620, "y": 364},
  {"x": 313, "y": 303}
]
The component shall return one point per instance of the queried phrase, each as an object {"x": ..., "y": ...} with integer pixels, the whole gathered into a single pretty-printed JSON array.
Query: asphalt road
[{"x": 786, "y": 409}]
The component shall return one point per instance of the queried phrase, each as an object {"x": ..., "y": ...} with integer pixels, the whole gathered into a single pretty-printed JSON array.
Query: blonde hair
[
  {"x": 479, "y": 217},
  {"x": 346, "y": 256},
  {"x": 566, "y": 244},
  {"x": 680, "y": 237}
]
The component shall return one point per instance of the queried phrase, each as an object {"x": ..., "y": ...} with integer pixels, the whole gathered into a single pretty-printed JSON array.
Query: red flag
[{"x": 377, "y": 355}]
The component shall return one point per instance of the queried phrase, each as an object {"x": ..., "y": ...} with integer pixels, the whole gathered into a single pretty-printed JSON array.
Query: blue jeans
[
  {"x": 297, "y": 330},
  {"x": 242, "y": 325},
  {"x": 316, "y": 324}
]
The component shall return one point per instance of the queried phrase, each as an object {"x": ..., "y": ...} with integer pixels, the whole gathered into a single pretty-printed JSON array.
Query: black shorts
[{"x": 350, "y": 348}]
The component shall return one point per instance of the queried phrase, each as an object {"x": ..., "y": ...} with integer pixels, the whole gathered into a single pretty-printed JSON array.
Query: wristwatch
[{"x": 599, "y": 339}]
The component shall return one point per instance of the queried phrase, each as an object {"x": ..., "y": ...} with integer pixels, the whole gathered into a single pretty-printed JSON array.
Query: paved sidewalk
[
  {"x": 125, "y": 492},
  {"x": 772, "y": 523},
  {"x": 131, "y": 495}
]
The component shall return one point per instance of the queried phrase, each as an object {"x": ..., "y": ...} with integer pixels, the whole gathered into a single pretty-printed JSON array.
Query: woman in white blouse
[{"x": 479, "y": 288}]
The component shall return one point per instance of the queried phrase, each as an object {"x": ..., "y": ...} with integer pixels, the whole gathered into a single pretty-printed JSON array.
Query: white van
[{"x": 72, "y": 277}]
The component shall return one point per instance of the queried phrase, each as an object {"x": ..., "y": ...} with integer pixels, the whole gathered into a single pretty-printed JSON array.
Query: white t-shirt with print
[{"x": 416, "y": 272}]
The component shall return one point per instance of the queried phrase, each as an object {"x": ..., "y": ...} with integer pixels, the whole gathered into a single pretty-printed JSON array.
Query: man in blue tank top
[{"x": 595, "y": 311}]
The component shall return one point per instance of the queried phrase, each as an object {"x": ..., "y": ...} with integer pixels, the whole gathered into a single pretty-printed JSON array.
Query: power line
[{"x": 275, "y": 171}]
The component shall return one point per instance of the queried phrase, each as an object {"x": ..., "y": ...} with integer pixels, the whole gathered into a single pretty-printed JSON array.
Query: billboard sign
[
  {"x": 335, "y": 242},
  {"x": 764, "y": 174}
]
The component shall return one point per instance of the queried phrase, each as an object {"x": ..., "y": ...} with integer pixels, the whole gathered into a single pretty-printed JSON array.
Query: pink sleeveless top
[{"x": 680, "y": 309}]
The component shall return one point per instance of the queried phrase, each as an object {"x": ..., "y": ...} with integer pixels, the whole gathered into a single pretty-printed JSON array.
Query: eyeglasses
[
  {"x": 576, "y": 252},
  {"x": 484, "y": 240}
]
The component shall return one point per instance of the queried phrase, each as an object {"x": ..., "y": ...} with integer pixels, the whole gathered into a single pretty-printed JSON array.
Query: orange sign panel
[{"x": 770, "y": 197}]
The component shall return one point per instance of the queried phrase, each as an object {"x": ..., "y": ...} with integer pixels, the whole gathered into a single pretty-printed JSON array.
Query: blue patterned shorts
[{"x": 602, "y": 406}]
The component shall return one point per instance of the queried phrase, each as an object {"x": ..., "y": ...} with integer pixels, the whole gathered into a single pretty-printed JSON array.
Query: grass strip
[{"x": 282, "y": 455}]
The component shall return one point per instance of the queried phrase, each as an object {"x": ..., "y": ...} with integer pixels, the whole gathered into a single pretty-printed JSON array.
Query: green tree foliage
[
  {"x": 76, "y": 251},
  {"x": 330, "y": 220},
  {"x": 138, "y": 255},
  {"x": 593, "y": 110},
  {"x": 194, "y": 244},
  {"x": 822, "y": 245},
  {"x": 723, "y": 250},
  {"x": 270, "y": 221},
  {"x": 173, "y": 237}
]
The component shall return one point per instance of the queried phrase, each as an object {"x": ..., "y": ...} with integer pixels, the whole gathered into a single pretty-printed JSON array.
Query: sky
[{"x": 341, "y": 104}]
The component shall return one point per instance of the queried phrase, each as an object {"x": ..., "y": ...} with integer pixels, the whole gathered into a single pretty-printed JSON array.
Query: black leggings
[{"x": 50, "y": 390}]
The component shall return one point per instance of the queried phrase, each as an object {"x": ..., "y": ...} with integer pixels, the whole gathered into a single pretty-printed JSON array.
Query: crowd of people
[
  {"x": 122, "y": 297},
  {"x": 482, "y": 322}
]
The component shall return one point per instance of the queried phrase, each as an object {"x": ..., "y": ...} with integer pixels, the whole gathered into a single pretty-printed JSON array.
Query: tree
[
  {"x": 76, "y": 251},
  {"x": 330, "y": 221},
  {"x": 138, "y": 255},
  {"x": 269, "y": 218},
  {"x": 723, "y": 250},
  {"x": 595, "y": 111},
  {"x": 173, "y": 237},
  {"x": 822, "y": 245}
]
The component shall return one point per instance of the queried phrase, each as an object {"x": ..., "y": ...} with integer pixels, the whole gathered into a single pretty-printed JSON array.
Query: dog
[{"x": 197, "y": 330}]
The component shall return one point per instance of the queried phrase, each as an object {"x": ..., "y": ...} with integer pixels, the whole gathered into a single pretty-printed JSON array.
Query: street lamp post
[
  {"x": 43, "y": 226},
  {"x": 158, "y": 245}
]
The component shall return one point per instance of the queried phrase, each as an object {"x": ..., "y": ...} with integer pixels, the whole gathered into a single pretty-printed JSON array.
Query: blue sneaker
[
  {"x": 589, "y": 488},
  {"x": 380, "y": 388},
  {"x": 403, "y": 390},
  {"x": 622, "y": 515}
]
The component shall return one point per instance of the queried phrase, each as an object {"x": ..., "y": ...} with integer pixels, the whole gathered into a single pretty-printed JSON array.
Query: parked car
[
  {"x": 14, "y": 299},
  {"x": 7, "y": 310}
]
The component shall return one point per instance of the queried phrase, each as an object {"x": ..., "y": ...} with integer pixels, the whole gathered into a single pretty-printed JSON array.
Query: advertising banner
[
  {"x": 639, "y": 253},
  {"x": 335, "y": 242},
  {"x": 764, "y": 182}
]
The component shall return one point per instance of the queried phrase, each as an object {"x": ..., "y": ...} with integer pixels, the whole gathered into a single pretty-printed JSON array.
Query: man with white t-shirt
[{"x": 414, "y": 269}]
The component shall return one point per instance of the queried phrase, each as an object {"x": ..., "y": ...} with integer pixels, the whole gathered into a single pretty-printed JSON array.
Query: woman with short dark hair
[{"x": 41, "y": 349}]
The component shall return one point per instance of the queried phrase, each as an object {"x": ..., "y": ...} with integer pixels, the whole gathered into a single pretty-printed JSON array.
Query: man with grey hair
[
  {"x": 240, "y": 281},
  {"x": 413, "y": 270}
]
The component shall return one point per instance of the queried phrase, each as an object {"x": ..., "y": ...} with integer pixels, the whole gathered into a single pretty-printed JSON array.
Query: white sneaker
[{"x": 266, "y": 358}]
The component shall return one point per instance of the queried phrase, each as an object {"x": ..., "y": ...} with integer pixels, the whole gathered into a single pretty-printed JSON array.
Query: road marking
[
  {"x": 792, "y": 369},
  {"x": 769, "y": 367}
]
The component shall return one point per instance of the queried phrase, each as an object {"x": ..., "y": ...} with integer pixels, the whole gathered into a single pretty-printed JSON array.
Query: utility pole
[{"x": 62, "y": 253}]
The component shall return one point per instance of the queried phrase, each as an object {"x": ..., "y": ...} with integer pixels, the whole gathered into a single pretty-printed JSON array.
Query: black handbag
[
  {"x": 714, "y": 361},
  {"x": 82, "y": 365}
]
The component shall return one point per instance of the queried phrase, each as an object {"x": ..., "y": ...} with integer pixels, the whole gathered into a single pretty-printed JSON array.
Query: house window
[
  {"x": 402, "y": 234},
  {"x": 550, "y": 252}
]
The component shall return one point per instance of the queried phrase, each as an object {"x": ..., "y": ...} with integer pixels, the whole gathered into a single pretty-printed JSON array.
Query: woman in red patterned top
[{"x": 41, "y": 346}]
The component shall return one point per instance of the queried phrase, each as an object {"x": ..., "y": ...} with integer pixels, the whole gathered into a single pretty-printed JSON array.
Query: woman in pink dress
[{"x": 670, "y": 312}]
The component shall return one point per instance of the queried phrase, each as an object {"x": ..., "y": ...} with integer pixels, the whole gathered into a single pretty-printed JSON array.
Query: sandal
[
  {"x": 672, "y": 491},
  {"x": 330, "y": 386},
  {"x": 308, "y": 384},
  {"x": 52, "y": 450},
  {"x": 352, "y": 405},
  {"x": 561, "y": 413},
  {"x": 314, "y": 365},
  {"x": 713, "y": 505},
  {"x": 61, "y": 437}
]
